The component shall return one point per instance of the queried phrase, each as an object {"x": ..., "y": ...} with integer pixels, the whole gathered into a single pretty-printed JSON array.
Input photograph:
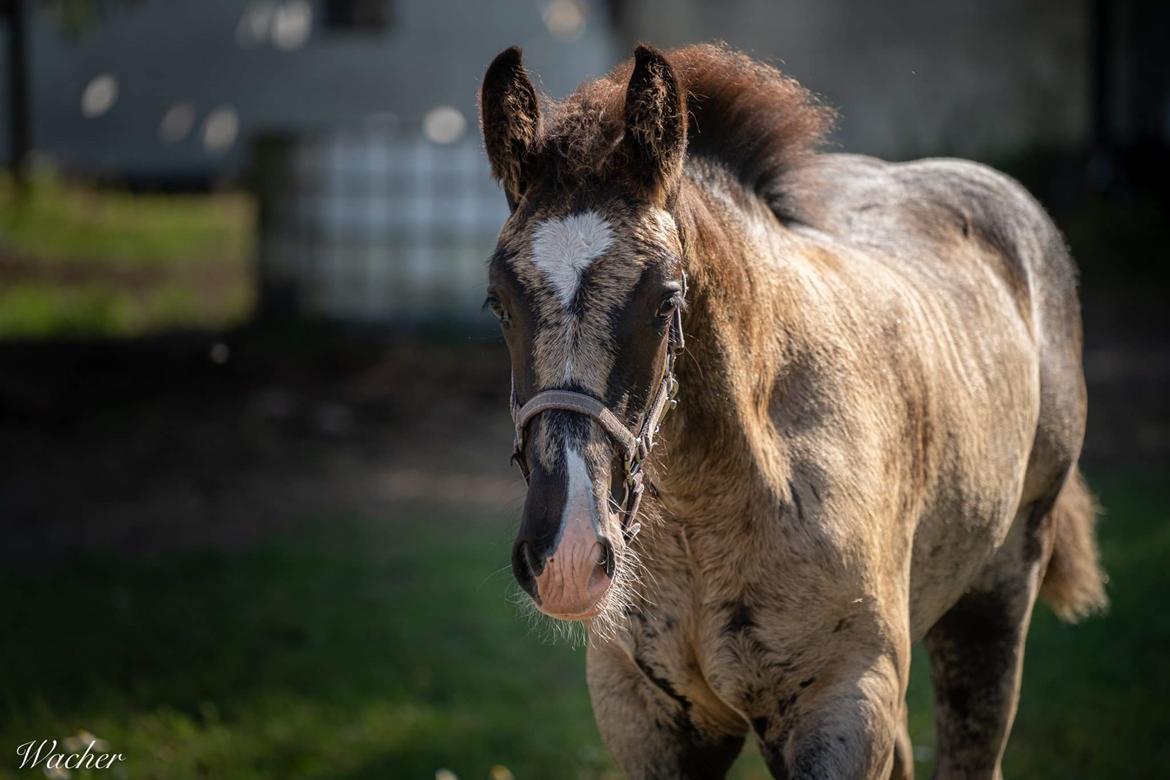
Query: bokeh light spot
[
  {"x": 220, "y": 129},
  {"x": 254, "y": 24},
  {"x": 176, "y": 123},
  {"x": 99, "y": 96},
  {"x": 565, "y": 19},
  {"x": 292, "y": 24},
  {"x": 444, "y": 124}
]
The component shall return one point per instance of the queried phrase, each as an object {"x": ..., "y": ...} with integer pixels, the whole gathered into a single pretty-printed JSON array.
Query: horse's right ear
[
  {"x": 656, "y": 123},
  {"x": 509, "y": 115}
]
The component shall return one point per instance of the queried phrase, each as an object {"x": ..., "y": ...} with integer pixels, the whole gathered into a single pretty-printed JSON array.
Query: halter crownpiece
[{"x": 634, "y": 446}]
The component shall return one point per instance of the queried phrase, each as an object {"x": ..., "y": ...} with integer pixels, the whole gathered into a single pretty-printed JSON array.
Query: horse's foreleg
[
  {"x": 650, "y": 729},
  {"x": 848, "y": 729}
]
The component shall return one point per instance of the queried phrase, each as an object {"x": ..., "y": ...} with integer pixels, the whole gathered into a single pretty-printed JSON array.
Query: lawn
[
  {"x": 386, "y": 647},
  {"x": 79, "y": 260}
]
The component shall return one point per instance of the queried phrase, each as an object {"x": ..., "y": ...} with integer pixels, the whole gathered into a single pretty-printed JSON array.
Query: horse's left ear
[
  {"x": 656, "y": 124},
  {"x": 509, "y": 111}
]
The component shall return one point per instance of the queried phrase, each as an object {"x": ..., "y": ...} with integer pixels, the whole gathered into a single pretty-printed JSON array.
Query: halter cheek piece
[{"x": 635, "y": 447}]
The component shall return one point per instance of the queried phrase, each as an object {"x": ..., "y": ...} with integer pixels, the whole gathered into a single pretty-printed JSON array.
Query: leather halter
[{"x": 635, "y": 447}]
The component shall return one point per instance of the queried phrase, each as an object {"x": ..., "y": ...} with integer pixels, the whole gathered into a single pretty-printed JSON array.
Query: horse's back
[{"x": 909, "y": 210}]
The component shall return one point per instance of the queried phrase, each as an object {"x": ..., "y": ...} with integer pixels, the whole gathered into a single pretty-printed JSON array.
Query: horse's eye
[
  {"x": 668, "y": 305},
  {"x": 498, "y": 310}
]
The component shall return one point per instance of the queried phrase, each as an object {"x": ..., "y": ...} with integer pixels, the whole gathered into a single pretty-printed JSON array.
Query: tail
[{"x": 1074, "y": 585}]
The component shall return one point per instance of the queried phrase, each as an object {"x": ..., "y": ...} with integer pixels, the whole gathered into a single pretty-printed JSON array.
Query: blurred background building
[
  {"x": 989, "y": 80},
  {"x": 358, "y": 116},
  {"x": 171, "y": 93}
]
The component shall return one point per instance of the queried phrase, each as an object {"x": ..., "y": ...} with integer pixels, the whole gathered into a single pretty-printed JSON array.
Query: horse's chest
[
  {"x": 736, "y": 643},
  {"x": 722, "y": 665}
]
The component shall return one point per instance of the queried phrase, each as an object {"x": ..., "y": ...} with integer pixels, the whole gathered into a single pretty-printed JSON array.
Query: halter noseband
[{"x": 635, "y": 447}]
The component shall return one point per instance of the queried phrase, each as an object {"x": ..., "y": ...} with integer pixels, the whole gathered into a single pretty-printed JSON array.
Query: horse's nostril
[
  {"x": 523, "y": 569},
  {"x": 606, "y": 560},
  {"x": 534, "y": 565}
]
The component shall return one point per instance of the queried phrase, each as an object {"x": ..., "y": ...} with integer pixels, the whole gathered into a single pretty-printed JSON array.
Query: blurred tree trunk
[{"x": 19, "y": 114}]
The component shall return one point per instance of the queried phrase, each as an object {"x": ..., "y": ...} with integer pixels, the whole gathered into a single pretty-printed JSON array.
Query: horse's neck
[{"x": 719, "y": 442}]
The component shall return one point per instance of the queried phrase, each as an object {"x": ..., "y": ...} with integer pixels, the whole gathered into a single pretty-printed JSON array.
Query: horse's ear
[
  {"x": 656, "y": 124},
  {"x": 510, "y": 120}
]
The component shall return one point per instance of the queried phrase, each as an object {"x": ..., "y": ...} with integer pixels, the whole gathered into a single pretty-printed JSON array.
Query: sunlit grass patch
[
  {"x": 81, "y": 261},
  {"x": 66, "y": 222}
]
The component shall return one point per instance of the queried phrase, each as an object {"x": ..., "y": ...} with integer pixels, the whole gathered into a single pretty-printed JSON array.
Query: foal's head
[{"x": 586, "y": 281}]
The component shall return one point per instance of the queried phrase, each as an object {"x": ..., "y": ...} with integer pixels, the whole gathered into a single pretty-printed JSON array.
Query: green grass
[
  {"x": 70, "y": 223},
  {"x": 386, "y": 648},
  {"x": 81, "y": 261}
]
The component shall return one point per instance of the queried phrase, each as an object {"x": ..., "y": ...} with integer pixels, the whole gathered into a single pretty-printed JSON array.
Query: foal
[{"x": 880, "y": 411}]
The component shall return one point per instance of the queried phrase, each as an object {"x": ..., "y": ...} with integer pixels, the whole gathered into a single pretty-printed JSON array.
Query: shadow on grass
[{"x": 388, "y": 648}]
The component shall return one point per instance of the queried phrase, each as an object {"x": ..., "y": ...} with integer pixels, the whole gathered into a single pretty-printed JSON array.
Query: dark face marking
[
  {"x": 517, "y": 322},
  {"x": 640, "y": 329}
]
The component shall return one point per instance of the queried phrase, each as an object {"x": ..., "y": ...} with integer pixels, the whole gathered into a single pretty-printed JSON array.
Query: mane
[{"x": 743, "y": 114}]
